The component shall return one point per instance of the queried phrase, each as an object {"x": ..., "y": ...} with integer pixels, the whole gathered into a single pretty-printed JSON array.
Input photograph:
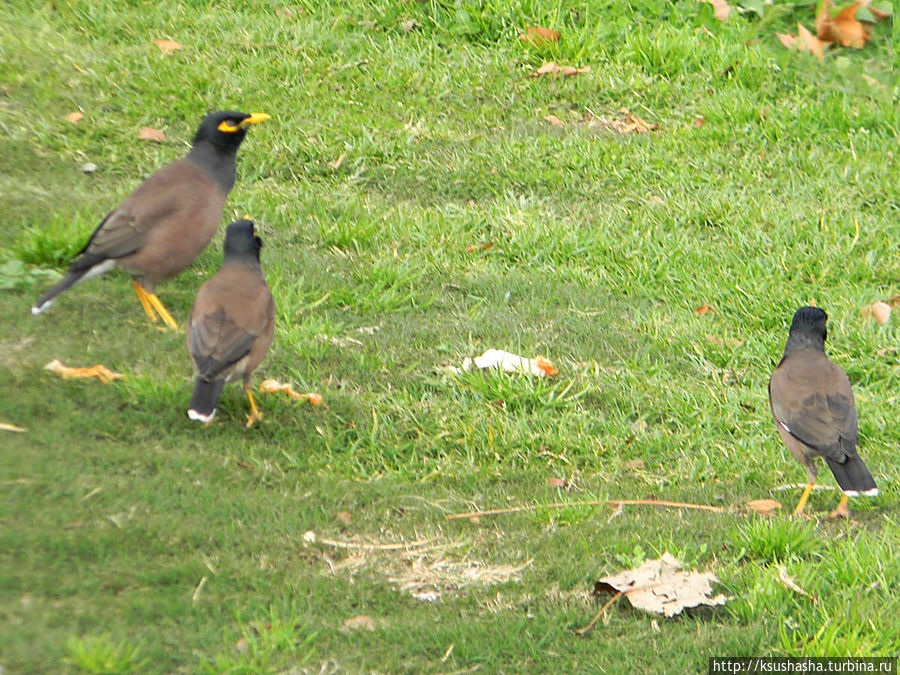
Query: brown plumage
[
  {"x": 231, "y": 324},
  {"x": 169, "y": 219},
  {"x": 812, "y": 403}
]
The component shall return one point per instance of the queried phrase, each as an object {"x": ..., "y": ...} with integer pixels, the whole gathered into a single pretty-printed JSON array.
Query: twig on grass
[
  {"x": 582, "y": 631},
  {"x": 600, "y": 502}
]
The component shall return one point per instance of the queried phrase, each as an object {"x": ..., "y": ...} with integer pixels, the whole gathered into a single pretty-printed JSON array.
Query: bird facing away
[
  {"x": 812, "y": 403},
  {"x": 231, "y": 324},
  {"x": 168, "y": 220}
]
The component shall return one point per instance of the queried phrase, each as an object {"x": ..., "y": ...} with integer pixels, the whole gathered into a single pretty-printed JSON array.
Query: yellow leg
[
  {"x": 841, "y": 511},
  {"x": 803, "y": 498},
  {"x": 142, "y": 296},
  {"x": 254, "y": 411},
  {"x": 162, "y": 311}
]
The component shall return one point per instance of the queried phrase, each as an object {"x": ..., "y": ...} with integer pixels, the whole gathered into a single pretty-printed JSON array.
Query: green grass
[{"x": 132, "y": 540}]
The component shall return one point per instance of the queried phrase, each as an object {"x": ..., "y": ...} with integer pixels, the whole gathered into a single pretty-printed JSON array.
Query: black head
[
  {"x": 810, "y": 321},
  {"x": 226, "y": 129},
  {"x": 241, "y": 240}
]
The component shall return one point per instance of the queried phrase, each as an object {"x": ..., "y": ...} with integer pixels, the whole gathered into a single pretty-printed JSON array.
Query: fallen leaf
[
  {"x": 409, "y": 25},
  {"x": 633, "y": 464},
  {"x": 271, "y": 386},
  {"x": 151, "y": 134},
  {"x": 512, "y": 363},
  {"x": 788, "y": 40},
  {"x": 480, "y": 246},
  {"x": 344, "y": 517},
  {"x": 4, "y": 426},
  {"x": 880, "y": 311},
  {"x": 699, "y": 122},
  {"x": 721, "y": 9},
  {"x": 102, "y": 373},
  {"x": 788, "y": 580},
  {"x": 74, "y": 117},
  {"x": 894, "y": 301},
  {"x": 539, "y": 36},
  {"x": 878, "y": 13},
  {"x": 336, "y": 164},
  {"x": 625, "y": 123},
  {"x": 811, "y": 42},
  {"x": 360, "y": 622},
  {"x": 715, "y": 340},
  {"x": 843, "y": 28},
  {"x": 764, "y": 507},
  {"x": 704, "y": 309},
  {"x": 167, "y": 46},
  {"x": 552, "y": 67},
  {"x": 658, "y": 586},
  {"x": 553, "y": 120},
  {"x": 556, "y": 482},
  {"x": 241, "y": 645},
  {"x": 884, "y": 351}
]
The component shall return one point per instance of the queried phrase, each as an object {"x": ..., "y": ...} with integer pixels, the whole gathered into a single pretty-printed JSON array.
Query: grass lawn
[{"x": 418, "y": 207}]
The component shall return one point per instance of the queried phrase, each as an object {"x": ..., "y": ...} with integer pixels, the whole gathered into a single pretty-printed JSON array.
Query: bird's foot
[{"x": 841, "y": 511}]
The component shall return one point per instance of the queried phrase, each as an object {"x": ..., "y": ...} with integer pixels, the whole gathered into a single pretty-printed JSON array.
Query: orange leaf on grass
[
  {"x": 554, "y": 121},
  {"x": 151, "y": 134},
  {"x": 721, "y": 9},
  {"x": 551, "y": 67},
  {"x": 74, "y": 117},
  {"x": 703, "y": 309},
  {"x": 811, "y": 42},
  {"x": 539, "y": 36},
  {"x": 167, "y": 46},
  {"x": 844, "y": 28}
]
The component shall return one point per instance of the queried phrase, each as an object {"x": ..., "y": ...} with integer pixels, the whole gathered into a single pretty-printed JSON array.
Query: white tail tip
[
  {"x": 866, "y": 493},
  {"x": 200, "y": 417}
]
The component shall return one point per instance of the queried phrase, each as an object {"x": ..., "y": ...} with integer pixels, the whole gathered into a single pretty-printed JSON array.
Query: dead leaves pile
[
  {"x": 842, "y": 28},
  {"x": 625, "y": 123}
]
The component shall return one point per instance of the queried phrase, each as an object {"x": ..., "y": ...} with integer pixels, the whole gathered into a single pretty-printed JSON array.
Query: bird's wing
[
  {"x": 216, "y": 342},
  {"x": 813, "y": 399},
  {"x": 160, "y": 196}
]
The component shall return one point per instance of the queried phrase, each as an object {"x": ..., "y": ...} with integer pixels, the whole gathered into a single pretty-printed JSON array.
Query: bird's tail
[
  {"x": 78, "y": 271},
  {"x": 205, "y": 399},
  {"x": 853, "y": 477}
]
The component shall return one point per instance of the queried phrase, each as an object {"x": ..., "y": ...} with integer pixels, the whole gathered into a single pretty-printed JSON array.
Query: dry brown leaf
[
  {"x": 764, "y": 507},
  {"x": 553, "y": 120},
  {"x": 878, "y": 14},
  {"x": 715, "y": 340},
  {"x": 626, "y": 123},
  {"x": 884, "y": 351},
  {"x": 556, "y": 482},
  {"x": 704, "y": 309},
  {"x": 151, "y": 134},
  {"x": 271, "y": 386},
  {"x": 633, "y": 464},
  {"x": 539, "y": 36},
  {"x": 167, "y": 46},
  {"x": 721, "y": 9},
  {"x": 811, "y": 42},
  {"x": 241, "y": 645},
  {"x": 409, "y": 25},
  {"x": 102, "y": 373},
  {"x": 658, "y": 586},
  {"x": 361, "y": 622},
  {"x": 480, "y": 246},
  {"x": 788, "y": 40},
  {"x": 74, "y": 117},
  {"x": 336, "y": 164},
  {"x": 894, "y": 301},
  {"x": 788, "y": 580},
  {"x": 878, "y": 310},
  {"x": 552, "y": 67},
  {"x": 344, "y": 517},
  {"x": 699, "y": 122},
  {"x": 843, "y": 28}
]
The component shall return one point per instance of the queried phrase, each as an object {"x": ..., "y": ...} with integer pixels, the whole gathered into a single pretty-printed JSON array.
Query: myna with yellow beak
[
  {"x": 812, "y": 403},
  {"x": 231, "y": 324},
  {"x": 169, "y": 219}
]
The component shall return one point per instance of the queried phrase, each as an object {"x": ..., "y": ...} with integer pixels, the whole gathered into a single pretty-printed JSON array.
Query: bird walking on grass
[
  {"x": 168, "y": 220},
  {"x": 231, "y": 324},
  {"x": 812, "y": 403}
]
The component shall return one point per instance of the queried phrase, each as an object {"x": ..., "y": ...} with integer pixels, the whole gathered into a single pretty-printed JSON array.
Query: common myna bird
[
  {"x": 231, "y": 324},
  {"x": 169, "y": 219},
  {"x": 812, "y": 403}
]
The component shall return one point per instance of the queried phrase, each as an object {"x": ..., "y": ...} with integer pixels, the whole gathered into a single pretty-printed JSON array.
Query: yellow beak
[{"x": 255, "y": 118}]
